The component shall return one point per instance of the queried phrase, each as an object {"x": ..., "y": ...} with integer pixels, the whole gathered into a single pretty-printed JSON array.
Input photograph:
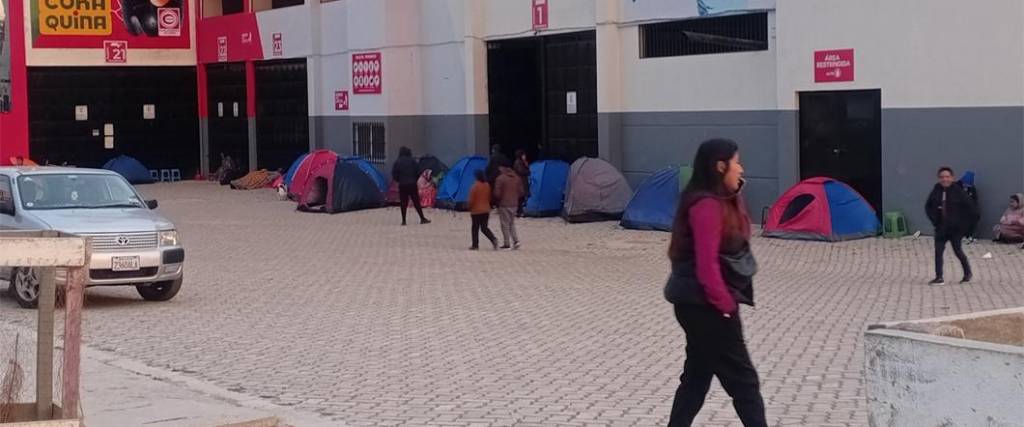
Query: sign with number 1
[{"x": 540, "y": 14}]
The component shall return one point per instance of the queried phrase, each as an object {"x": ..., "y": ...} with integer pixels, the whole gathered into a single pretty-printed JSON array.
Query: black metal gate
[
  {"x": 542, "y": 93},
  {"x": 282, "y": 113},
  {"x": 228, "y": 121},
  {"x": 86, "y": 115}
]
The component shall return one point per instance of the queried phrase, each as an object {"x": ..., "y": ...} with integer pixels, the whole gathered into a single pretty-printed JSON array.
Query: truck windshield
[{"x": 77, "y": 191}]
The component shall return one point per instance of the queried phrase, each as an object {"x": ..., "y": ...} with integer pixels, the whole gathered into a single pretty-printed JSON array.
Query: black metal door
[
  {"x": 165, "y": 138},
  {"x": 841, "y": 138},
  {"x": 228, "y": 121},
  {"x": 282, "y": 113},
  {"x": 529, "y": 81},
  {"x": 570, "y": 68},
  {"x": 515, "y": 95}
]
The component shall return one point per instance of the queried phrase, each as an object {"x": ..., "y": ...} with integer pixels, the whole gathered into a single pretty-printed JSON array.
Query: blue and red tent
[{"x": 822, "y": 209}]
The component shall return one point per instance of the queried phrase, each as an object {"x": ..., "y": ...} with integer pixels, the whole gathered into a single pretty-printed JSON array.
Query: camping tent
[
  {"x": 132, "y": 170},
  {"x": 370, "y": 170},
  {"x": 292, "y": 169},
  {"x": 821, "y": 209},
  {"x": 547, "y": 187},
  {"x": 653, "y": 206},
  {"x": 454, "y": 189},
  {"x": 304, "y": 172},
  {"x": 595, "y": 191},
  {"x": 342, "y": 187}
]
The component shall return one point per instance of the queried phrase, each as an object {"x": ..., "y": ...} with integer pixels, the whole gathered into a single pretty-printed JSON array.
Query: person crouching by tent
[
  {"x": 508, "y": 189},
  {"x": 951, "y": 211},
  {"x": 712, "y": 272},
  {"x": 522, "y": 168},
  {"x": 480, "y": 210},
  {"x": 406, "y": 172},
  {"x": 1011, "y": 225}
]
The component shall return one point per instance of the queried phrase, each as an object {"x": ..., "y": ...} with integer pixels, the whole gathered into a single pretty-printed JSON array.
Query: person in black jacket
[
  {"x": 497, "y": 160},
  {"x": 951, "y": 210},
  {"x": 406, "y": 172}
]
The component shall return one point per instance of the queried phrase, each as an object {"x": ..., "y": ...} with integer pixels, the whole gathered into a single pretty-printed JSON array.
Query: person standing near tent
[
  {"x": 480, "y": 210},
  {"x": 951, "y": 211},
  {"x": 522, "y": 168},
  {"x": 406, "y": 172},
  {"x": 967, "y": 181},
  {"x": 712, "y": 271},
  {"x": 508, "y": 190}
]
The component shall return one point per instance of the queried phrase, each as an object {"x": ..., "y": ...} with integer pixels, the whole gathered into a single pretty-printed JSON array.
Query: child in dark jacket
[{"x": 480, "y": 210}]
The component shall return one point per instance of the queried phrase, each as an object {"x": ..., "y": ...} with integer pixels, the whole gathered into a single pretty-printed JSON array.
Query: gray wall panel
[{"x": 916, "y": 142}]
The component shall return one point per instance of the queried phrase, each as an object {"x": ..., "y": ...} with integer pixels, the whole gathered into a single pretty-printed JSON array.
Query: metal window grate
[
  {"x": 368, "y": 142},
  {"x": 704, "y": 36}
]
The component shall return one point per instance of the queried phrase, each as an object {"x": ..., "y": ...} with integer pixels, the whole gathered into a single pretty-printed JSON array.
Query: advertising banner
[
  {"x": 88, "y": 24},
  {"x": 366, "y": 73}
]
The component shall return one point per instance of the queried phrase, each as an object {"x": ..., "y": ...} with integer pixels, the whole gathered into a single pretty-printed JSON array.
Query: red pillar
[
  {"x": 14, "y": 124},
  {"x": 250, "y": 89}
]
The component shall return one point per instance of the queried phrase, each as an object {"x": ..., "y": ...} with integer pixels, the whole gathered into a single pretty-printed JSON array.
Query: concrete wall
[
  {"x": 921, "y": 380},
  {"x": 948, "y": 97}
]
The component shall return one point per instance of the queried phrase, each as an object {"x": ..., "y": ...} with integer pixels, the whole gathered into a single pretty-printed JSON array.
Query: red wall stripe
[
  {"x": 14, "y": 125},
  {"x": 250, "y": 88}
]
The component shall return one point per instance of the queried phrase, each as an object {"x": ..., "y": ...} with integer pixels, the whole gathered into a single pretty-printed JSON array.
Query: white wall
[
  {"x": 513, "y": 18},
  {"x": 731, "y": 81},
  {"x": 293, "y": 23},
  {"x": 921, "y": 53}
]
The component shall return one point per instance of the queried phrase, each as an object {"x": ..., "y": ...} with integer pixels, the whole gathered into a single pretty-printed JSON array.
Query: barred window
[
  {"x": 368, "y": 141},
  {"x": 704, "y": 36}
]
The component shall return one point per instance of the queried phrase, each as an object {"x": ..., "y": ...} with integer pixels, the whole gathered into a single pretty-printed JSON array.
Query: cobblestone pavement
[{"x": 368, "y": 323}]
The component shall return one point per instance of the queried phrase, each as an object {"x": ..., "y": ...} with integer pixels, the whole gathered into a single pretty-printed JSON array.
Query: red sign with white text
[
  {"x": 115, "y": 51},
  {"x": 366, "y": 73},
  {"x": 833, "y": 66},
  {"x": 278, "y": 44},
  {"x": 540, "y": 14},
  {"x": 341, "y": 100}
]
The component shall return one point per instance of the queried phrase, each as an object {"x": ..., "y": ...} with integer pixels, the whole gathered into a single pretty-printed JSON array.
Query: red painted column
[
  {"x": 250, "y": 89},
  {"x": 14, "y": 125}
]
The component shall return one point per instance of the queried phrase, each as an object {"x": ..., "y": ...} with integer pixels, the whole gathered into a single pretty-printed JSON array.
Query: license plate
[{"x": 125, "y": 263}]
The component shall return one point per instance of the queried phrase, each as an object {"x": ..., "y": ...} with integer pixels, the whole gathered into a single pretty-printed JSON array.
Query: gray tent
[{"x": 595, "y": 191}]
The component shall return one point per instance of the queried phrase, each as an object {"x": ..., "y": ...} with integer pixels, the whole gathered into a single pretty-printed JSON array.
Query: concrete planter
[{"x": 963, "y": 370}]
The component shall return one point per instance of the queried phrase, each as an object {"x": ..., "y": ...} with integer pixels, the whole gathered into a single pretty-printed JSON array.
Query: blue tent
[
  {"x": 291, "y": 170},
  {"x": 132, "y": 170},
  {"x": 547, "y": 187},
  {"x": 653, "y": 206},
  {"x": 454, "y": 189},
  {"x": 370, "y": 170}
]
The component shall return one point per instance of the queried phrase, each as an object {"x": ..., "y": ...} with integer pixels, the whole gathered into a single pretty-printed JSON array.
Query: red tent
[
  {"x": 304, "y": 173},
  {"x": 821, "y": 209}
]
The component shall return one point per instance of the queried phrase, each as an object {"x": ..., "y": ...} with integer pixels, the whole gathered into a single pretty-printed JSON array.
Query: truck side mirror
[{"x": 152, "y": 204}]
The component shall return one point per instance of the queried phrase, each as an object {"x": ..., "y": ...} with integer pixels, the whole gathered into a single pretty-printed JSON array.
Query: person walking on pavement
[
  {"x": 406, "y": 172},
  {"x": 951, "y": 211},
  {"x": 712, "y": 271},
  {"x": 522, "y": 168},
  {"x": 480, "y": 210},
  {"x": 508, "y": 190}
]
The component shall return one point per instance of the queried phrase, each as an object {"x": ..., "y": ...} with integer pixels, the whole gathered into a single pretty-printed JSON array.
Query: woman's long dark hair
[{"x": 706, "y": 181}]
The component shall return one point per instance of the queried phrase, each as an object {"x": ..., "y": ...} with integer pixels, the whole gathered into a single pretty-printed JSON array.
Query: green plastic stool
[{"x": 895, "y": 225}]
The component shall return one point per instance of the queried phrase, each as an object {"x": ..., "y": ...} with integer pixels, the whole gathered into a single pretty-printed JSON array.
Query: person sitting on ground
[
  {"x": 480, "y": 210},
  {"x": 1011, "y": 225}
]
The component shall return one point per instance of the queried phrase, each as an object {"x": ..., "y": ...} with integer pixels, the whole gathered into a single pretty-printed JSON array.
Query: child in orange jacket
[{"x": 480, "y": 210}]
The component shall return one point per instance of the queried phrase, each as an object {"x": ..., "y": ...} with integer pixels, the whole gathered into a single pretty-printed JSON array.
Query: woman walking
[
  {"x": 406, "y": 172},
  {"x": 951, "y": 210},
  {"x": 480, "y": 210},
  {"x": 712, "y": 270}
]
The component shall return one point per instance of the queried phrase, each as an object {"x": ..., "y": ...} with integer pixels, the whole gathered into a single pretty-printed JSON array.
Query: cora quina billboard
[{"x": 93, "y": 24}]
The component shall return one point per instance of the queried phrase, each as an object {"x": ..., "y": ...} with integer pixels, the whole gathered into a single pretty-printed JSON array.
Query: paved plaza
[{"x": 365, "y": 323}]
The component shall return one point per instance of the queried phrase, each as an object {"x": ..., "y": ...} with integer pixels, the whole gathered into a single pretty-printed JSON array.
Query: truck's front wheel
[{"x": 160, "y": 291}]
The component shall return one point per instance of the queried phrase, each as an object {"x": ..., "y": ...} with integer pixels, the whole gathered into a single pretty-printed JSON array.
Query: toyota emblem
[{"x": 123, "y": 241}]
